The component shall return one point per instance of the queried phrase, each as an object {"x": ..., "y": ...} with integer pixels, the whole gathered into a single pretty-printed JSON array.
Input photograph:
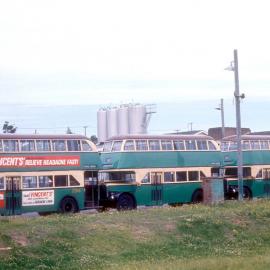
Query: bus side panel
[
  {"x": 59, "y": 193},
  {"x": 162, "y": 159},
  {"x": 179, "y": 192}
]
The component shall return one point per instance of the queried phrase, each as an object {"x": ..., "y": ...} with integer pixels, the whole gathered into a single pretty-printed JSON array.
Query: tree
[
  {"x": 94, "y": 139},
  {"x": 69, "y": 131},
  {"x": 7, "y": 128}
]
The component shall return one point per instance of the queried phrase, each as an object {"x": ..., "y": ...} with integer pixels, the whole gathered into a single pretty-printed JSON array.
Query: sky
[{"x": 55, "y": 54}]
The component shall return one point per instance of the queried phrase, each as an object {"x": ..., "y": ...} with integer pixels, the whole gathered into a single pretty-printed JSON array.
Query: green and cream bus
[
  {"x": 154, "y": 170},
  {"x": 256, "y": 165},
  {"x": 47, "y": 173}
]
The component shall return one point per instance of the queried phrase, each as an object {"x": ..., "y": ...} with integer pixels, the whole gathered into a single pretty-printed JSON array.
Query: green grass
[{"x": 228, "y": 236}]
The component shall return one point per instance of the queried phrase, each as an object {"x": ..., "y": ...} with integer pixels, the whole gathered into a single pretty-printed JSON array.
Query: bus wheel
[
  {"x": 68, "y": 205},
  {"x": 197, "y": 196},
  {"x": 125, "y": 202},
  {"x": 247, "y": 195}
]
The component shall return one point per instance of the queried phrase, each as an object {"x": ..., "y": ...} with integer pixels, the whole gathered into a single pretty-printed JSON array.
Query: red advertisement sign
[{"x": 39, "y": 161}]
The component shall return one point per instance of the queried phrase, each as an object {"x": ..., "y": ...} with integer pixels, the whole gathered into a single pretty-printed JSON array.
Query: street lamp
[
  {"x": 221, "y": 109},
  {"x": 234, "y": 67}
]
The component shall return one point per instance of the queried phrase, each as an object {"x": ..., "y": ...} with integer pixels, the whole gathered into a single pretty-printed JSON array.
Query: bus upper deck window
[
  {"x": 11, "y": 145},
  {"x": 73, "y": 145},
  {"x": 86, "y": 146},
  {"x": 154, "y": 145},
  {"x": 224, "y": 146},
  {"x": 246, "y": 145},
  {"x": 59, "y": 145},
  {"x": 264, "y": 145},
  {"x": 233, "y": 146},
  {"x": 129, "y": 145},
  {"x": 202, "y": 145},
  {"x": 43, "y": 145},
  {"x": 2, "y": 183},
  {"x": 141, "y": 145},
  {"x": 255, "y": 145},
  {"x": 179, "y": 145},
  {"x": 190, "y": 145},
  {"x": 166, "y": 145},
  {"x": 1, "y": 146},
  {"x": 27, "y": 145},
  {"x": 116, "y": 146},
  {"x": 211, "y": 146},
  {"x": 107, "y": 147}
]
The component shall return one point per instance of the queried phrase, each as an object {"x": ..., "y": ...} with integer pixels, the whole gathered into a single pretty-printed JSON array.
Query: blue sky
[{"x": 94, "y": 53}]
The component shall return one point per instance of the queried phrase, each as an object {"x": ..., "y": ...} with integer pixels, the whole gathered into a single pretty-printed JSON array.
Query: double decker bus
[
  {"x": 47, "y": 173},
  {"x": 154, "y": 170},
  {"x": 256, "y": 165}
]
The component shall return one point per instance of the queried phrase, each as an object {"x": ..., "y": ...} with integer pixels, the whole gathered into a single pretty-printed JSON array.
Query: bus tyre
[
  {"x": 68, "y": 205},
  {"x": 197, "y": 196},
  {"x": 125, "y": 202}
]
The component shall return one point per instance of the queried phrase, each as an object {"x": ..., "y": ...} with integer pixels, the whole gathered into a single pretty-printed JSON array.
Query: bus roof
[
  {"x": 247, "y": 137},
  {"x": 163, "y": 137},
  {"x": 42, "y": 136}
]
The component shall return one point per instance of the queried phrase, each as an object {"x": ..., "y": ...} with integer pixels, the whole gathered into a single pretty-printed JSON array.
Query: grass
[{"x": 228, "y": 236}]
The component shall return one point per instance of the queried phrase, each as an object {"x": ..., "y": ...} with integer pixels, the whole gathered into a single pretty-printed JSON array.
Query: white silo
[
  {"x": 122, "y": 118},
  {"x": 112, "y": 126},
  {"x": 102, "y": 125},
  {"x": 137, "y": 119}
]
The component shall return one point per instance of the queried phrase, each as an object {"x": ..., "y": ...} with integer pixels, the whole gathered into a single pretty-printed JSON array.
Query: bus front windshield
[{"x": 117, "y": 176}]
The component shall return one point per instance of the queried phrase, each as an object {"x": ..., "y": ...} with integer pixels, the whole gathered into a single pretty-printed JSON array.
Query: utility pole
[
  {"x": 85, "y": 127},
  {"x": 221, "y": 109},
  {"x": 234, "y": 67},
  {"x": 238, "y": 98}
]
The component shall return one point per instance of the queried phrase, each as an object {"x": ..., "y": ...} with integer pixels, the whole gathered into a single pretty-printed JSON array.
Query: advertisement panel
[
  {"x": 37, "y": 197},
  {"x": 39, "y": 161}
]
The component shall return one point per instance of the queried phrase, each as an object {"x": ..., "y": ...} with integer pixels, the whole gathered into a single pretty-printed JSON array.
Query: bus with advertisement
[
  {"x": 256, "y": 165},
  {"x": 154, "y": 170},
  {"x": 47, "y": 173}
]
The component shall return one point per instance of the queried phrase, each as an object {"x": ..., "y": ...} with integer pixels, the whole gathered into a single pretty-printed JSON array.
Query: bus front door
[
  {"x": 92, "y": 189},
  {"x": 156, "y": 188},
  {"x": 13, "y": 195}
]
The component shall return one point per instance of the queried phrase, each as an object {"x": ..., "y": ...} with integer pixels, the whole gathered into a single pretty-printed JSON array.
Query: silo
[
  {"x": 112, "y": 127},
  {"x": 137, "y": 119},
  {"x": 122, "y": 118},
  {"x": 102, "y": 125}
]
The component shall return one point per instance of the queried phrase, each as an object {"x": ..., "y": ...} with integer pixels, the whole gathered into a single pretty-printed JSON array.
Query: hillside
[{"x": 228, "y": 236}]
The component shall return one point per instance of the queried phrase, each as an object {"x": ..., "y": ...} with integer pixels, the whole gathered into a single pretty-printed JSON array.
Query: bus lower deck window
[
  {"x": 61, "y": 180},
  {"x": 168, "y": 176},
  {"x": 45, "y": 181},
  {"x": 1, "y": 182},
  {"x": 181, "y": 176},
  {"x": 193, "y": 176},
  {"x": 73, "y": 181},
  {"x": 29, "y": 181}
]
